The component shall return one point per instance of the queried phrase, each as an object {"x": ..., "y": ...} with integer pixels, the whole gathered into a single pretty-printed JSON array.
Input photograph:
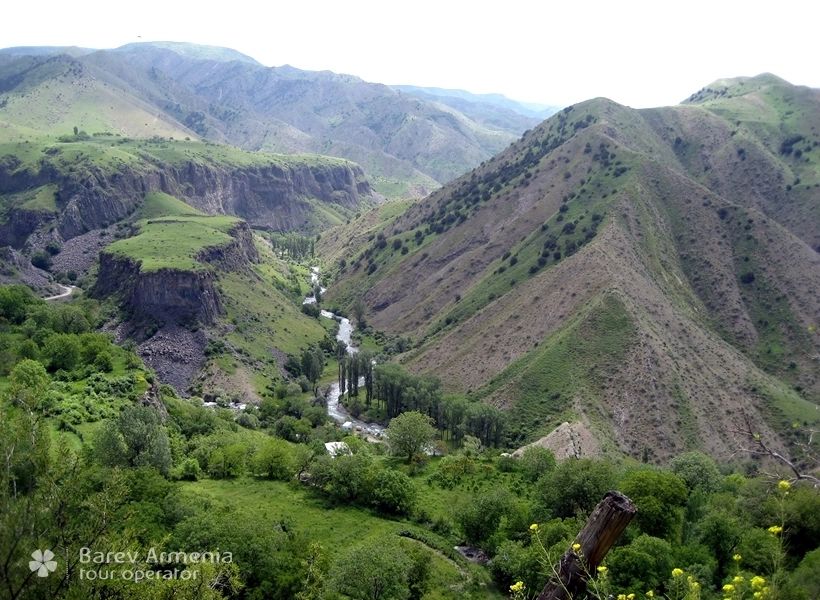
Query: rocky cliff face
[
  {"x": 175, "y": 295},
  {"x": 270, "y": 197},
  {"x": 161, "y": 294}
]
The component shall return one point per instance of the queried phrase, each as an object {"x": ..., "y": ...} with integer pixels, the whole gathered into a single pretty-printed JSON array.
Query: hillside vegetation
[{"x": 651, "y": 270}]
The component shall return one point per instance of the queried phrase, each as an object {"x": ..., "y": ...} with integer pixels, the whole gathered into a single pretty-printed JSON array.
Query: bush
[
  {"x": 392, "y": 492},
  {"x": 536, "y": 462},
  {"x": 104, "y": 362},
  {"x": 41, "y": 260}
]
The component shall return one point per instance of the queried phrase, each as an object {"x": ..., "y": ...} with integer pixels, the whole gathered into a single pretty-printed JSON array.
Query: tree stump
[{"x": 602, "y": 530}]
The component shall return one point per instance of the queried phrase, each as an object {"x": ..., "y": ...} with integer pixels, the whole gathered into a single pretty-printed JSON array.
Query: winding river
[{"x": 335, "y": 410}]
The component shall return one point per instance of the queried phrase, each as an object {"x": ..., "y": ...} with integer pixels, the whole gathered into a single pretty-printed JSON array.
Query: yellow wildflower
[
  {"x": 518, "y": 586},
  {"x": 737, "y": 558},
  {"x": 758, "y": 595},
  {"x": 677, "y": 572},
  {"x": 576, "y": 547},
  {"x": 738, "y": 579},
  {"x": 650, "y": 594},
  {"x": 728, "y": 588},
  {"x": 695, "y": 585},
  {"x": 774, "y": 529},
  {"x": 534, "y": 527},
  {"x": 630, "y": 597},
  {"x": 758, "y": 582},
  {"x": 602, "y": 570},
  {"x": 621, "y": 596},
  {"x": 784, "y": 486}
]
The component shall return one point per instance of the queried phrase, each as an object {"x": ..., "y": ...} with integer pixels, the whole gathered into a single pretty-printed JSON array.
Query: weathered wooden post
[{"x": 602, "y": 530}]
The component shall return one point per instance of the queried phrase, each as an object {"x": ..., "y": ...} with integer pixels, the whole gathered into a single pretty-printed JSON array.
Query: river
[{"x": 335, "y": 410}]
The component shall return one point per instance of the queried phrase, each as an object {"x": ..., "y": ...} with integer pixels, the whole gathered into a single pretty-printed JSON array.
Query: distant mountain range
[
  {"x": 408, "y": 144},
  {"x": 653, "y": 274},
  {"x": 529, "y": 109}
]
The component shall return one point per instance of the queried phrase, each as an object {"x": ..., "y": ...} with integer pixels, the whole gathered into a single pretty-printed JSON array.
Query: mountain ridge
[
  {"x": 606, "y": 219},
  {"x": 407, "y": 145}
]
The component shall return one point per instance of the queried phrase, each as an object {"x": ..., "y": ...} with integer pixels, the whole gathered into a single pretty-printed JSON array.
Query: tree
[
  {"x": 136, "y": 439},
  {"x": 374, "y": 571},
  {"x": 410, "y": 433},
  {"x": 698, "y": 471},
  {"x": 50, "y": 499},
  {"x": 392, "y": 491},
  {"x": 274, "y": 459},
  {"x": 313, "y": 363},
  {"x": 29, "y": 382},
  {"x": 645, "y": 564},
  {"x": 358, "y": 309},
  {"x": 659, "y": 497},
  {"x": 480, "y": 517},
  {"x": 576, "y": 486},
  {"x": 63, "y": 350},
  {"x": 535, "y": 462}
]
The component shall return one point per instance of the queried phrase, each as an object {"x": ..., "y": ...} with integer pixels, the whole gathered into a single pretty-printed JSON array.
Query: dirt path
[{"x": 67, "y": 291}]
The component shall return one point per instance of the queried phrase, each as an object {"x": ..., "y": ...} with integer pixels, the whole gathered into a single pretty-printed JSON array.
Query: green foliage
[
  {"x": 29, "y": 382},
  {"x": 62, "y": 350},
  {"x": 645, "y": 564},
  {"x": 274, "y": 459},
  {"x": 807, "y": 575},
  {"x": 49, "y": 498},
  {"x": 14, "y": 302},
  {"x": 536, "y": 462},
  {"x": 410, "y": 433},
  {"x": 136, "y": 438},
  {"x": 575, "y": 486},
  {"x": 479, "y": 518},
  {"x": 228, "y": 461},
  {"x": 698, "y": 471},
  {"x": 659, "y": 497},
  {"x": 374, "y": 571},
  {"x": 344, "y": 478},
  {"x": 41, "y": 259},
  {"x": 392, "y": 492}
]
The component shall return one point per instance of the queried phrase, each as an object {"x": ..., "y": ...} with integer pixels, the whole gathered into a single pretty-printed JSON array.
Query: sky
[{"x": 635, "y": 52}]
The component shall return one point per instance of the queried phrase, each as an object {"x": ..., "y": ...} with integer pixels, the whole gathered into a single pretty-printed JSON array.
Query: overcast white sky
[{"x": 639, "y": 53}]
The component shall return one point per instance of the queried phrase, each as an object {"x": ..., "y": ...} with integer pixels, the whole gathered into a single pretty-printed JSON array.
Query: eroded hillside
[{"x": 642, "y": 271}]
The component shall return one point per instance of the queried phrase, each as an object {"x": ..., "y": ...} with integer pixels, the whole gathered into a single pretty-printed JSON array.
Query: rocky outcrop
[
  {"x": 236, "y": 255},
  {"x": 16, "y": 268},
  {"x": 272, "y": 196},
  {"x": 169, "y": 294},
  {"x": 161, "y": 295}
]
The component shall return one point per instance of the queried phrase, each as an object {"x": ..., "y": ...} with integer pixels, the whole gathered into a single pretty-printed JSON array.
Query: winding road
[{"x": 67, "y": 291}]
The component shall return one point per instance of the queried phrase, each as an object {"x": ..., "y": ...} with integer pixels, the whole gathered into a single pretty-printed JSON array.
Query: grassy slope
[
  {"x": 338, "y": 527},
  {"x": 63, "y": 93},
  {"x": 174, "y": 242}
]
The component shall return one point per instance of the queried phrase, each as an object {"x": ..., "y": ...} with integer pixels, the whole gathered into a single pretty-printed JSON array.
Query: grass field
[
  {"x": 174, "y": 242},
  {"x": 339, "y": 527}
]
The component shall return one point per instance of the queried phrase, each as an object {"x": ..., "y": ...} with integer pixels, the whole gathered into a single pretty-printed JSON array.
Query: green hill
[
  {"x": 407, "y": 145},
  {"x": 650, "y": 273}
]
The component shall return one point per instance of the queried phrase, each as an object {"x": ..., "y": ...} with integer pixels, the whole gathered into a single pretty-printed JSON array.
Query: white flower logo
[{"x": 42, "y": 562}]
